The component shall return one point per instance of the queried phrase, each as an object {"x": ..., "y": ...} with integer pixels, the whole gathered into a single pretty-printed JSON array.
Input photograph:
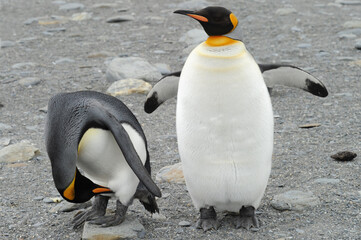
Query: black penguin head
[
  {"x": 81, "y": 189},
  {"x": 216, "y": 21}
]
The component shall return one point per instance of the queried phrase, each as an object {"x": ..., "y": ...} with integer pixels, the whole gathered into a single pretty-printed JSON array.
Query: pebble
[
  {"x": 327, "y": 180},
  {"x": 131, "y": 67},
  {"x": 171, "y": 174},
  {"x": 129, "y": 86},
  {"x": 6, "y": 44},
  {"x": 184, "y": 224},
  {"x": 193, "y": 5},
  {"x": 71, "y": 6},
  {"x": 63, "y": 60},
  {"x": 23, "y": 65},
  {"x": 194, "y": 36},
  {"x": 358, "y": 44},
  {"x": 304, "y": 45},
  {"x": 69, "y": 207},
  {"x": 352, "y": 24},
  {"x": 56, "y": 30},
  {"x": 285, "y": 11},
  {"x": 296, "y": 29},
  {"x": 310, "y": 125},
  {"x": 58, "y": 2},
  {"x": 345, "y": 2},
  {"x": 4, "y": 141},
  {"x": 101, "y": 54},
  {"x": 81, "y": 16},
  {"x": 294, "y": 200},
  {"x": 105, "y": 5},
  {"x": 344, "y": 156},
  {"x": 4, "y": 126},
  {"x": 118, "y": 19},
  {"x": 159, "y": 216},
  {"x": 350, "y": 32},
  {"x": 22, "y": 151},
  {"x": 163, "y": 68},
  {"x": 129, "y": 229},
  {"x": 31, "y": 21},
  {"x": 29, "y": 81},
  {"x": 52, "y": 200}
]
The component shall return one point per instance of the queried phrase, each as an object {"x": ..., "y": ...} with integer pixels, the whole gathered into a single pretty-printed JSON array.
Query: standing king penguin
[
  {"x": 224, "y": 123},
  {"x": 97, "y": 148}
]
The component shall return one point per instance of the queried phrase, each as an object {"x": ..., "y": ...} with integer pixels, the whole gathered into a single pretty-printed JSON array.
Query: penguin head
[
  {"x": 216, "y": 21},
  {"x": 81, "y": 189}
]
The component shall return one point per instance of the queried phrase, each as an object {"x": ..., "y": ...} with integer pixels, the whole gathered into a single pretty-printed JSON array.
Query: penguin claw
[
  {"x": 108, "y": 221},
  {"x": 80, "y": 218}
]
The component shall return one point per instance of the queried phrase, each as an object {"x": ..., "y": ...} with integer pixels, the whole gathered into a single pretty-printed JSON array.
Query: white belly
[
  {"x": 102, "y": 161},
  {"x": 224, "y": 128}
]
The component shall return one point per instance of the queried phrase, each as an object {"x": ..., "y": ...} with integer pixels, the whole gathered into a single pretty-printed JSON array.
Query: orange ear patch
[
  {"x": 198, "y": 17},
  {"x": 69, "y": 192},
  {"x": 234, "y": 20}
]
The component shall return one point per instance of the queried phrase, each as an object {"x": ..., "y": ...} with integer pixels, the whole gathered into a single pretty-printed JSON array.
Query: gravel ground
[{"x": 307, "y": 37}]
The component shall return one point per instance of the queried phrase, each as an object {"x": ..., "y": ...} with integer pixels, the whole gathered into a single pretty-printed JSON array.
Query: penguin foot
[
  {"x": 116, "y": 219},
  {"x": 97, "y": 210},
  {"x": 247, "y": 218},
  {"x": 208, "y": 219}
]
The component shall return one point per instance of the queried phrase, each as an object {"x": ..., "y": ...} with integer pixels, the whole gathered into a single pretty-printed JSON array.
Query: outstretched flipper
[
  {"x": 273, "y": 74},
  {"x": 291, "y": 76}
]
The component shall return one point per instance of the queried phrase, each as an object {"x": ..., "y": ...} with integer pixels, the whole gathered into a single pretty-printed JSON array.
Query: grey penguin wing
[
  {"x": 166, "y": 88},
  {"x": 103, "y": 117},
  {"x": 291, "y": 76}
]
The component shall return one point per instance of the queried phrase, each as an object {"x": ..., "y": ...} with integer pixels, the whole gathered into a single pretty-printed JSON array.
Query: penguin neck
[{"x": 218, "y": 41}]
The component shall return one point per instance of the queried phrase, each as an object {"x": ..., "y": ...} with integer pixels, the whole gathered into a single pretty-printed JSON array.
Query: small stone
[
  {"x": 300, "y": 231},
  {"x": 22, "y": 151},
  {"x": 304, "y": 45},
  {"x": 353, "y": 31},
  {"x": 105, "y": 5},
  {"x": 101, "y": 54},
  {"x": 49, "y": 22},
  {"x": 358, "y": 44},
  {"x": 31, "y": 21},
  {"x": 118, "y": 19},
  {"x": 194, "y": 36},
  {"x": 310, "y": 125},
  {"x": 6, "y": 44},
  {"x": 69, "y": 207},
  {"x": 4, "y": 141},
  {"x": 129, "y": 86},
  {"x": 163, "y": 68},
  {"x": 56, "y": 30},
  {"x": 171, "y": 174},
  {"x": 345, "y": 2},
  {"x": 44, "y": 109},
  {"x": 294, "y": 201},
  {"x": 296, "y": 29},
  {"x": 52, "y": 200},
  {"x": 356, "y": 63},
  {"x": 131, "y": 67},
  {"x": 327, "y": 181},
  {"x": 24, "y": 65},
  {"x": 71, "y": 6},
  {"x": 193, "y": 4},
  {"x": 64, "y": 60},
  {"x": 38, "y": 198},
  {"x": 159, "y": 216},
  {"x": 4, "y": 126},
  {"x": 344, "y": 156},
  {"x": 81, "y": 16},
  {"x": 352, "y": 24},
  {"x": 29, "y": 81},
  {"x": 285, "y": 11},
  {"x": 58, "y": 2},
  {"x": 129, "y": 229},
  {"x": 184, "y": 224}
]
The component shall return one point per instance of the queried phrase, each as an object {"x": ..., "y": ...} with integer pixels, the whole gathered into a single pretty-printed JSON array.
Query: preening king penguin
[
  {"x": 224, "y": 123},
  {"x": 97, "y": 148}
]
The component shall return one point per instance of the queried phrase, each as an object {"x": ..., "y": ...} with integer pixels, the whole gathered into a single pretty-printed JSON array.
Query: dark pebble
[{"x": 344, "y": 156}]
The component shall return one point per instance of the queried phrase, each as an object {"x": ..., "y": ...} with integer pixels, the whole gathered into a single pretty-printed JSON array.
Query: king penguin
[
  {"x": 224, "y": 123},
  {"x": 97, "y": 148}
]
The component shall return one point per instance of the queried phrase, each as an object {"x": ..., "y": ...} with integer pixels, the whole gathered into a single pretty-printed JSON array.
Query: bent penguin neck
[{"x": 218, "y": 41}]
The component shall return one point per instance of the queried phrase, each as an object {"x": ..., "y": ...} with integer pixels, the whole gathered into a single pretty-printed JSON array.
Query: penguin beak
[{"x": 192, "y": 14}]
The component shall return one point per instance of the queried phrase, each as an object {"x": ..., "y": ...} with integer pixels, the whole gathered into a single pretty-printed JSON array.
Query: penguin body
[
  {"x": 224, "y": 123},
  {"x": 224, "y": 127},
  {"x": 97, "y": 147}
]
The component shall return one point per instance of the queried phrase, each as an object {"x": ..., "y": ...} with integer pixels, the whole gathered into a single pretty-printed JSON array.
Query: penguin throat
[{"x": 217, "y": 41}]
